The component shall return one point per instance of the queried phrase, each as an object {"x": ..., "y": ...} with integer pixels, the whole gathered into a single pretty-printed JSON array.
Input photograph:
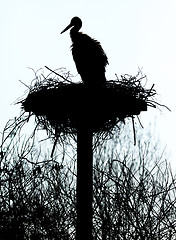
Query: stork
[{"x": 89, "y": 56}]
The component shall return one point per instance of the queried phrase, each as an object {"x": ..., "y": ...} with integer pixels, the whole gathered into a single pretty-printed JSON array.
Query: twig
[
  {"x": 24, "y": 84},
  {"x": 134, "y": 130},
  {"x": 140, "y": 122},
  {"x": 150, "y": 91},
  {"x": 161, "y": 105},
  {"x": 66, "y": 80}
]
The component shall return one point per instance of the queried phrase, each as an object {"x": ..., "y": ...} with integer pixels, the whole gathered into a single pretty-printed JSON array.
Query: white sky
[{"x": 133, "y": 33}]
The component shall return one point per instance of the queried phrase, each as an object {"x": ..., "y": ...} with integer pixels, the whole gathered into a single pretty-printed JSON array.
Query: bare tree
[
  {"x": 134, "y": 189},
  {"x": 134, "y": 194}
]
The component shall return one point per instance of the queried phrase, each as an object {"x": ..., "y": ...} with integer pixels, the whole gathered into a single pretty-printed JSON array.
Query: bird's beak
[{"x": 69, "y": 26}]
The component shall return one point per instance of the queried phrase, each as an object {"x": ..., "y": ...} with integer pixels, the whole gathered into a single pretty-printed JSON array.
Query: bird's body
[{"x": 89, "y": 57}]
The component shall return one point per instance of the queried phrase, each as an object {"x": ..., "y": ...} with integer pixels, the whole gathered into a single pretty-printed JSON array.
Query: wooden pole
[{"x": 84, "y": 183}]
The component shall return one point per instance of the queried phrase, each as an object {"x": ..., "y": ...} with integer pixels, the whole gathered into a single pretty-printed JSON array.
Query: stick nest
[{"x": 64, "y": 106}]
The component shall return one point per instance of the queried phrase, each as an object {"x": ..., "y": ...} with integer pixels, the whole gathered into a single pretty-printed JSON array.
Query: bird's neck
[{"x": 74, "y": 33}]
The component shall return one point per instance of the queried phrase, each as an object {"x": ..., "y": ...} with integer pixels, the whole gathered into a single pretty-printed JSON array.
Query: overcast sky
[{"x": 134, "y": 34}]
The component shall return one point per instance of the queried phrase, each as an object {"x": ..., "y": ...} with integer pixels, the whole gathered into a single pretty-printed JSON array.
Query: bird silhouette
[{"x": 89, "y": 56}]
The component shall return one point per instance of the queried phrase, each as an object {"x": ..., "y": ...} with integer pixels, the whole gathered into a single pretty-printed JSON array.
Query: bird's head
[{"x": 76, "y": 23}]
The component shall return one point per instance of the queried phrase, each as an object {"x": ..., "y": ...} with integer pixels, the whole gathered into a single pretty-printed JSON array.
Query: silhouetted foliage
[{"x": 134, "y": 190}]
